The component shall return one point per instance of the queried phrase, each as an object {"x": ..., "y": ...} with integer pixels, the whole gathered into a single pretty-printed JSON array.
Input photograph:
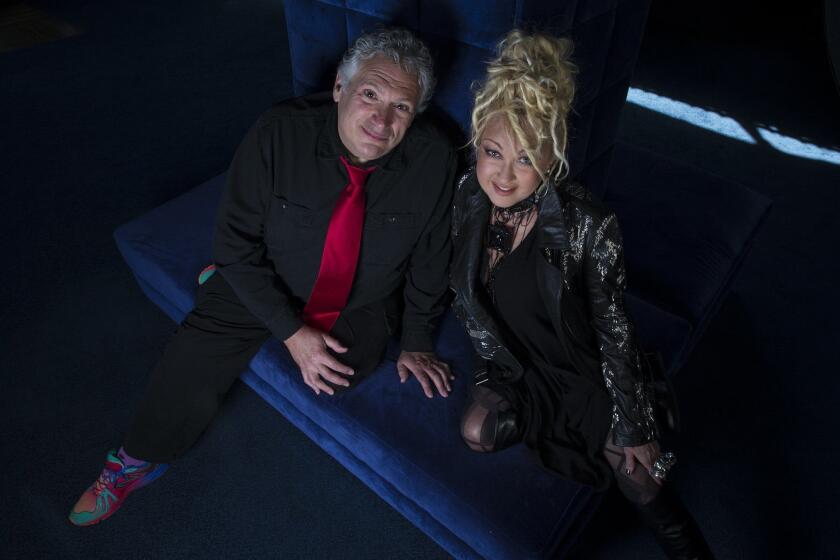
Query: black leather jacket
[{"x": 581, "y": 279}]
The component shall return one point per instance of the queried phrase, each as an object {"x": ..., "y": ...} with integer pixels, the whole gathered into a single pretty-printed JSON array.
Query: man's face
[{"x": 375, "y": 108}]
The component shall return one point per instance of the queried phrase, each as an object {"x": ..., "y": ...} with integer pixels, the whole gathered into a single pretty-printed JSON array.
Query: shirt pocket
[
  {"x": 389, "y": 237},
  {"x": 290, "y": 227}
]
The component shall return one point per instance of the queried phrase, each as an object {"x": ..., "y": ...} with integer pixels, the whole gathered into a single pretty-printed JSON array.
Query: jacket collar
[
  {"x": 476, "y": 213},
  {"x": 551, "y": 225}
]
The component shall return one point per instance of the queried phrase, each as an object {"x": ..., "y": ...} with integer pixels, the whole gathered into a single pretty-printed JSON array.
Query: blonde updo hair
[{"x": 531, "y": 85}]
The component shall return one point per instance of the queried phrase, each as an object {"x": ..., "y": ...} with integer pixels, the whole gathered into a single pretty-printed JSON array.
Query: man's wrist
[
  {"x": 417, "y": 341},
  {"x": 285, "y": 326}
]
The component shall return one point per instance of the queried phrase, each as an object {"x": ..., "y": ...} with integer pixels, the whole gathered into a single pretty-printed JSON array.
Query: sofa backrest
[{"x": 462, "y": 36}]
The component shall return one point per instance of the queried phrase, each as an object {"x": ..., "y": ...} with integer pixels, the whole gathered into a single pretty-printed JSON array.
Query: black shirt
[
  {"x": 281, "y": 190},
  {"x": 527, "y": 325},
  {"x": 562, "y": 412}
]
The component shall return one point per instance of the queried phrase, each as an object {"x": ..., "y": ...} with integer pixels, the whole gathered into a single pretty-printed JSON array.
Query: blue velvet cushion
[
  {"x": 405, "y": 447},
  {"x": 686, "y": 233}
]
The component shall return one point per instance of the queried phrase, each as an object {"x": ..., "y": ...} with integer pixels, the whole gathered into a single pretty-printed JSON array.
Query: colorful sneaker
[{"x": 115, "y": 483}]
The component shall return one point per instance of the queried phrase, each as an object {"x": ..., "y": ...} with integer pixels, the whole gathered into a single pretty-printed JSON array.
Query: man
[{"x": 335, "y": 215}]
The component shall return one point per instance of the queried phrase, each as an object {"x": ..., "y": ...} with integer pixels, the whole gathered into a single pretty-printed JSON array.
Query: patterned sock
[{"x": 128, "y": 459}]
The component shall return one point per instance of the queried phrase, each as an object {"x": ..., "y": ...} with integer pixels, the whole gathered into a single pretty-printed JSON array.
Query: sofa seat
[
  {"x": 686, "y": 233},
  {"x": 405, "y": 447}
]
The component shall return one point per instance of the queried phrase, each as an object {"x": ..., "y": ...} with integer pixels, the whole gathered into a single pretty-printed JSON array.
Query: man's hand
[
  {"x": 428, "y": 370},
  {"x": 308, "y": 348},
  {"x": 646, "y": 454}
]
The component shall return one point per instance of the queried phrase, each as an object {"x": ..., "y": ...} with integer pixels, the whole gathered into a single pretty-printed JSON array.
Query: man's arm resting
[
  {"x": 425, "y": 291},
  {"x": 239, "y": 250}
]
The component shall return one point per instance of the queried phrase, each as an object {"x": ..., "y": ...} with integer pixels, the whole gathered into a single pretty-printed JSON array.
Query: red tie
[{"x": 341, "y": 253}]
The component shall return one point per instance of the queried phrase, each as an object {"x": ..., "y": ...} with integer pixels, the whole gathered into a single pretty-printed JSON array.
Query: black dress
[{"x": 562, "y": 413}]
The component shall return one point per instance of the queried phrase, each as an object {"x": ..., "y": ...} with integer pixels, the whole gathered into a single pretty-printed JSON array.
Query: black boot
[{"x": 674, "y": 528}]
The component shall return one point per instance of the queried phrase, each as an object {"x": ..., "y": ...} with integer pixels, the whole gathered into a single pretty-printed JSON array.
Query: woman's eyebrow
[{"x": 497, "y": 144}]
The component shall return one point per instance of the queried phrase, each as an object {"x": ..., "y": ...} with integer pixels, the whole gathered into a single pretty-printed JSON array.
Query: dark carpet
[{"x": 152, "y": 97}]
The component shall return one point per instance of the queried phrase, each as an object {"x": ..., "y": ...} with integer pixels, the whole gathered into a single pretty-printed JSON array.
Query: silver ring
[{"x": 661, "y": 466}]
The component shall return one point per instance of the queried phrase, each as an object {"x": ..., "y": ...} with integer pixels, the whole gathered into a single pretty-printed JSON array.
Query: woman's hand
[
  {"x": 429, "y": 371},
  {"x": 646, "y": 454}
]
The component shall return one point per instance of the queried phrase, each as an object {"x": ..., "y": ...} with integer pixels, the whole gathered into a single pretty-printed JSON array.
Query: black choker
[
  {"x": 504, "y": 224},
  {"x": 505, "y": 221}
]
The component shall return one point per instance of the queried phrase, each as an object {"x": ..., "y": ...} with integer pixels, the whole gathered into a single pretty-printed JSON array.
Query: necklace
[{"x": 505, "y": 224}]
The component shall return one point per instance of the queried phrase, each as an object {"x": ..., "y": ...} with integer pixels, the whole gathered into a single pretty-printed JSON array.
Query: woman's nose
[{"x": 507, "y": 173}]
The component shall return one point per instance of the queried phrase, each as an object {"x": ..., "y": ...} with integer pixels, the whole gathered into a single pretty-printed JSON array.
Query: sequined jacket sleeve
[{"x": 603, "y": 272}]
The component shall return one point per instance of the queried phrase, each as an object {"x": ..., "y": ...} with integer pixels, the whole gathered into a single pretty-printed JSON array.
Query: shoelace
[{"x": 105, "y": 479}]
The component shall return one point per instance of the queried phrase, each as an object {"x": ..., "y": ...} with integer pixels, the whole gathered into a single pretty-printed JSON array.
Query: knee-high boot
[{"x": 674, "y": 527}]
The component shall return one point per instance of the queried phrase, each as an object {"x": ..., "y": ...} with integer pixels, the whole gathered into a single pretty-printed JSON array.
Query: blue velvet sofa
[{"x": 686, "y": 234}]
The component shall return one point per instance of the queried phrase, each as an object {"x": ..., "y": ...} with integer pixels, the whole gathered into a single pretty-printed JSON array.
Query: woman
[{"x": 539, "y": 277}]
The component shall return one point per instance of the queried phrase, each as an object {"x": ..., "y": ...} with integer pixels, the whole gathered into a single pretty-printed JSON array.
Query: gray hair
[{"x": 400, "y": 46}]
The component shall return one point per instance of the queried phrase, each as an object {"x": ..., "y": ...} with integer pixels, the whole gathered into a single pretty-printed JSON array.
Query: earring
[{"x": 540, "y": 192}]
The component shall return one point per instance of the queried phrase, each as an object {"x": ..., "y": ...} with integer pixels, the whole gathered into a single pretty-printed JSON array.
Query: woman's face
[{"x": 504, "y": 171}]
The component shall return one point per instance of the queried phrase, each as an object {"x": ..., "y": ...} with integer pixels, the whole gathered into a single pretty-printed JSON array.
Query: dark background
[{"x": 148, "y": 99}]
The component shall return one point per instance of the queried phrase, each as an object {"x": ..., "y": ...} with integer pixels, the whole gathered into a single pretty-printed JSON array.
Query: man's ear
[{"x": 337, "y": 88}]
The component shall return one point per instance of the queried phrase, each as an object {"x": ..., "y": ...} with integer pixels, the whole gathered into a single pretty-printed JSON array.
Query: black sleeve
[
  {"x": 462, "y": 191},
  {"x": 633, "y": 421},
  {"x": 238, "y": 247},
  {"x": 427, "y": 278}
]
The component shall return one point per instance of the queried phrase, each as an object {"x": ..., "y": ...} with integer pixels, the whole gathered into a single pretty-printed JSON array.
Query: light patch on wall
[
  {"x": 729, "y": 127},
  {"x": 795, "y": 147},
  {"x": 703, "y": 118}
]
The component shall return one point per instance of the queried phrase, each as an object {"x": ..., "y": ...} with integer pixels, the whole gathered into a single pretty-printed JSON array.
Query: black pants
[{"x": 211, "y": 348}]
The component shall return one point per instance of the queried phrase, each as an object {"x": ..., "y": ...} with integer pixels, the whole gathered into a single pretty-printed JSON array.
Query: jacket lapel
[
  {"x": 467, "y": 283},
  {"x": 553, "y": 239},
  {"x": 552, "y": 233},
  {"x": 476, "y": 212}
]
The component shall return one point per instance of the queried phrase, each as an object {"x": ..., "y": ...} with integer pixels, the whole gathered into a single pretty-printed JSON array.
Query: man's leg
[{"x": 211, "y": 347}]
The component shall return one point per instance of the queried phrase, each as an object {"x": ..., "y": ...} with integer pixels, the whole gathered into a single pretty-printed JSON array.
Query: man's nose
[{"x": 383, "y": 116}]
